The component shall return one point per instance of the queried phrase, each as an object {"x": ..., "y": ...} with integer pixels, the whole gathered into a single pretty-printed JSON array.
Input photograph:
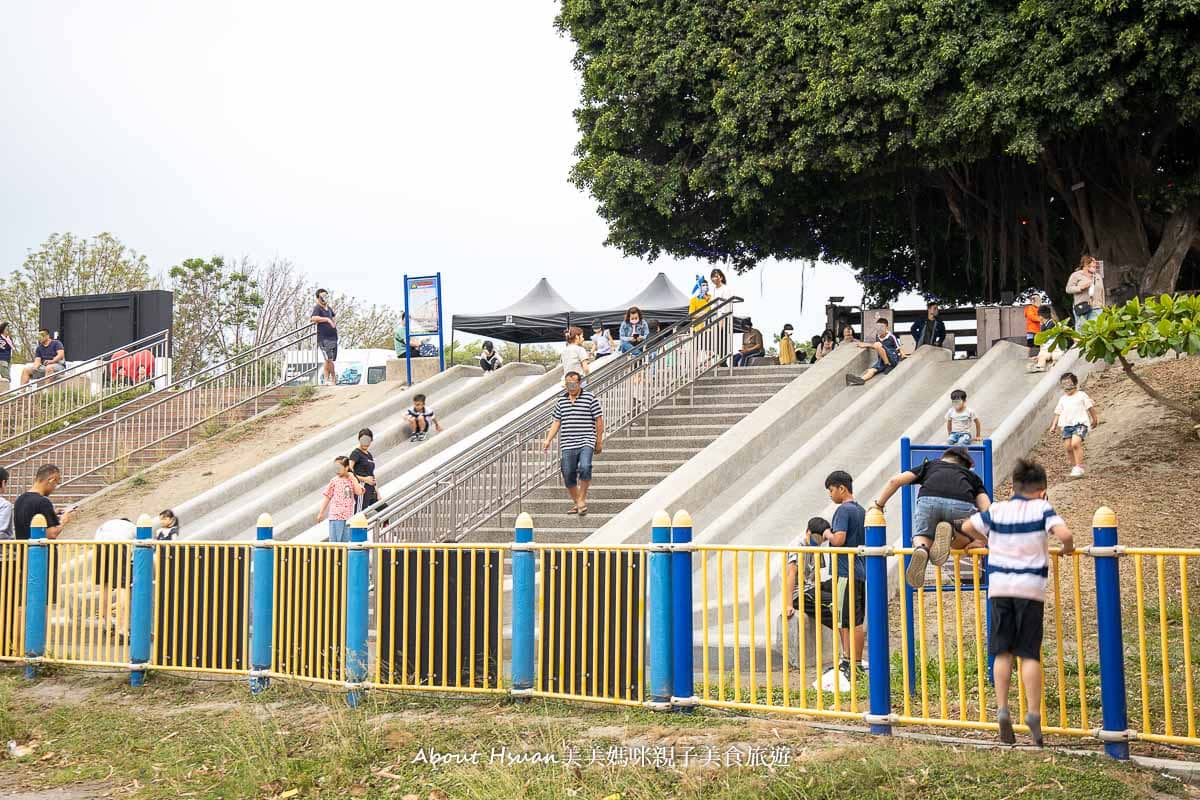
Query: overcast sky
[{"x": 362, "y": 140}]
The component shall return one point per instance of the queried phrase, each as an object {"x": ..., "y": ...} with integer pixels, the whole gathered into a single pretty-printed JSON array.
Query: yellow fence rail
[
  {"x": 754, "y": 655},
  {"x": 770, "y": 629},
  {"x": 13, "y": 560}
]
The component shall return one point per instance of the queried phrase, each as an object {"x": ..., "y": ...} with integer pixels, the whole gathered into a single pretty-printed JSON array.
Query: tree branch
[{"x": 1192, "y": 413}]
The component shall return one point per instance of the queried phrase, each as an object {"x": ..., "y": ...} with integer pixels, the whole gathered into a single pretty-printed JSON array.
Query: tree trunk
[{"x": 1178, "y": 236}]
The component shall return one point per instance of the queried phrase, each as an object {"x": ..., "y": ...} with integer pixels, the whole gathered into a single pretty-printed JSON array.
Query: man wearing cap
[{"x": 950, "y": 493}]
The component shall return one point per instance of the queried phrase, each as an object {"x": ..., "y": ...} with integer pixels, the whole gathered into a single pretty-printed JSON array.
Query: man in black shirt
[
  {"x": 950, "y": 492},
  {"x": 327, "y": 336},
  {"x": 37, "y": 501}
]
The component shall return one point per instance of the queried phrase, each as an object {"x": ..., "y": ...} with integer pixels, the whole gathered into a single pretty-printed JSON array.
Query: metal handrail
[
  {"x": 181, "y": 407},
  {"x": 28, "y": 410},
  {"x": 510, "y": 464}
]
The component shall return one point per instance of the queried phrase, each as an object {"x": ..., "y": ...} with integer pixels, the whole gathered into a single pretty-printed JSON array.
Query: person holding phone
[
  {"x": 37, "y": 501},
  {"x": 1086, "y": 287},
  {"x": 634, "y": 332}
]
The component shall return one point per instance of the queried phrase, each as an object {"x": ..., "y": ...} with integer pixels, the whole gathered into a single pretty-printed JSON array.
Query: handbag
[{"x": 1082, "y": 309}]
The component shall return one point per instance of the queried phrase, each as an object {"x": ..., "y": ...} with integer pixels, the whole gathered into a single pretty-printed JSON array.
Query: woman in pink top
[{"x": 339, "y": 498}]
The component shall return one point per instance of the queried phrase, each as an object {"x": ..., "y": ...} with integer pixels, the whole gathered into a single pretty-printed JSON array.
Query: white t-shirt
[
  {"x": 603, "y": 344},
  {"x": 961, "y": 421},
  {"x": 1072, "y": 409},
  {"x": 721, "y": 293},
  {"x": 572, "y": 359}
]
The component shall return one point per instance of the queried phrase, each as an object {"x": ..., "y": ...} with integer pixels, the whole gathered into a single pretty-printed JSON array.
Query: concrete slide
[{"x": 288, "y": 485}]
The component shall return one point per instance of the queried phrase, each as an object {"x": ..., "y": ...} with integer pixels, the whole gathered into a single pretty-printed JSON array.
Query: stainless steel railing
[
  {"x": 480, "y": 483},
  {"x": 50, "y": 404},
  {"x": 136, "y": 435}
]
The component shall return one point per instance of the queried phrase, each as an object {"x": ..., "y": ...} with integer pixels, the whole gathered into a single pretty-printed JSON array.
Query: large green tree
[
  {"x": 62, "y": 266},
  {"x": 958, "y": 147}
]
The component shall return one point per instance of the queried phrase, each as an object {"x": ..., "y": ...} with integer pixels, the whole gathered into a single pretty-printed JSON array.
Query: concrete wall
[{"x": 423, "y": 369}]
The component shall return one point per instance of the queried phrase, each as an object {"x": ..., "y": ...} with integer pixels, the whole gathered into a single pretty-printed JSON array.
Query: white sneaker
[{"x": 1076, "y": 472}]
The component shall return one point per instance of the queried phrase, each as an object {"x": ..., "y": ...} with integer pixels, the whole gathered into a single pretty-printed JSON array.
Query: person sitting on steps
[
  {"x": 887, "y": 351},
  {"x": 752, "y": 345}
]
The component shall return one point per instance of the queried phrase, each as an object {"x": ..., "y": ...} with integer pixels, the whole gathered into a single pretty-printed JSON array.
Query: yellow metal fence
[{"x": 442, "y": 616}]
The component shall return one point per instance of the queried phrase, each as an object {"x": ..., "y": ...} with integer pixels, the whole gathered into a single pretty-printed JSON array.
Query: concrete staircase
[{"x": 639, "y": 457}]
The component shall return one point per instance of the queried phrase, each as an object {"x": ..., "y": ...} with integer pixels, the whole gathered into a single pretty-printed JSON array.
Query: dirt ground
[
  {"x": 227, "y": 454},
  {"x": 1142, "y": 461}
]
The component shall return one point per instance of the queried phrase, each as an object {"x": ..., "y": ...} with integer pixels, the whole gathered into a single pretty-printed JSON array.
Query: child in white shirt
[
  {"x": 959, "y": 420},
  {"x": 1073, "y": 413}
]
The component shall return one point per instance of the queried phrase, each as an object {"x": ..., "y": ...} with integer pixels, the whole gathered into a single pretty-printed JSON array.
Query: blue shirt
[
  {"x": 47, "y": 352},
  {"x": 631, "y": 329},
  {"x": 851, "y": 518},
  {"x": 324, "y": 329}
]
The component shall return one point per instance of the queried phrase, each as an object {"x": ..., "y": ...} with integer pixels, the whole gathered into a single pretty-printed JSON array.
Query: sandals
[
  {"x": 573, "y": 510},
  {"x": 583, "y": 511}
]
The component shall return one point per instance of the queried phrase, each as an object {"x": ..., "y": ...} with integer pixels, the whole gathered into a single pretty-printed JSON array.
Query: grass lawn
[{"x": 210, "y": 739}]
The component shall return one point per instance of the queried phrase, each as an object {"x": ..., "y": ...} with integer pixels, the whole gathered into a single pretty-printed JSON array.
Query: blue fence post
[
  {"x": 358, "y": 568},
  {"x": 141, "y": 607},
  {"x": 879, "y": 672},
  {"x": 36, "y": 593},
  {"x": 262, "y": 588},
  {"x": 683, "y": 693},
  {"x": 660, "y": 613},
  {"x": 1113, "y": 731},
  {"x": 906, "y": 534},
  {"x": 523, "y": 608}
]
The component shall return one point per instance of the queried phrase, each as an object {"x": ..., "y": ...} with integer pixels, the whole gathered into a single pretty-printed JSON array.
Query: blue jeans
[
  {"x": 1093, "y": 314},
  {"x": 743, "y": 359},
  {"x": 339, "y": 530},
  {"x": 631, "y": 348},
  {"x": 932, "y": 510},
  {"x": 577, "y": 465},
  {"x": 961, "y": 438}
]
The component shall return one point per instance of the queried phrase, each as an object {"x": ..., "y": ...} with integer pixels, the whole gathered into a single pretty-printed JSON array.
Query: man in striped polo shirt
[
  {"x": 1017, "y": 567},
  {"x": 579, "y": 425}
]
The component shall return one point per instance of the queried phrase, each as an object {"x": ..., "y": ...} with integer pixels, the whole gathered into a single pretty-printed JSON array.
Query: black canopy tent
[
  {"x": 540, "y": 316},
  {"x": 659, "y": 300}
]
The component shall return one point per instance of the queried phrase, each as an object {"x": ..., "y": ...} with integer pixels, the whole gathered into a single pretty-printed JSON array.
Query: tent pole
[
  {"x": 518, "y": 351},
  {"x": 452, "y": 347}
]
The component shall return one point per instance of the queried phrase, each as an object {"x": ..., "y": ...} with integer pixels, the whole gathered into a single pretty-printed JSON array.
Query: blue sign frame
[
  {"x": 437, "y": 283},
  {"x": 913, "y": 455}
]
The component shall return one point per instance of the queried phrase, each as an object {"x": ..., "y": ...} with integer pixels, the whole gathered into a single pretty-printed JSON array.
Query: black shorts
[
  {"x": 328, "y": 348},
  {"x": 1016, "y": 627},
  {"x": 826, "y": 604}
]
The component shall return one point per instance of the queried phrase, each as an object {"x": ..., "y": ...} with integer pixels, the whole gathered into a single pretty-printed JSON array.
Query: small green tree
[
  {"x": 216, "y": 312},
  {"x": 1151, "y": 328},
  {"x": 62, "y": 266}
]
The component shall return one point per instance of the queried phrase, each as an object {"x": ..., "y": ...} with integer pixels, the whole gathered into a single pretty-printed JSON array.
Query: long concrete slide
[
  {"x": 758, "y": 484},
  {"x": 288, "y": 485}
]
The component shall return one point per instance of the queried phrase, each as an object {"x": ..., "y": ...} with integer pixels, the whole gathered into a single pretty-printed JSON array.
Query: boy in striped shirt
[{"x": 1018, "y": 560}]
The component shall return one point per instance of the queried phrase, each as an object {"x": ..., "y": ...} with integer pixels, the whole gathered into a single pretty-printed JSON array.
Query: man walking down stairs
[{"x": 645, "y": 453}]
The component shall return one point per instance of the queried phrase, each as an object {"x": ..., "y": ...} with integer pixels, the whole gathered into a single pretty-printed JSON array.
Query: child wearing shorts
[
  {"x": 1018, "y": 564},
  {"x": 1072, "y": 414}
]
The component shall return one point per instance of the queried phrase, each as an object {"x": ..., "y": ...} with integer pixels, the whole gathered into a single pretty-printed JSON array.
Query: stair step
[
  {"x": 653, "y": 468},
  {"x": 557, "y": 507},
  {"x": 600, "y": 490}
]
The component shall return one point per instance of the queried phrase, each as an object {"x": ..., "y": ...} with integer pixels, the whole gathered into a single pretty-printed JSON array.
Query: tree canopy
[
  {"x": 961, "y": 148},
  {"x": 66, "y": 265}
]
